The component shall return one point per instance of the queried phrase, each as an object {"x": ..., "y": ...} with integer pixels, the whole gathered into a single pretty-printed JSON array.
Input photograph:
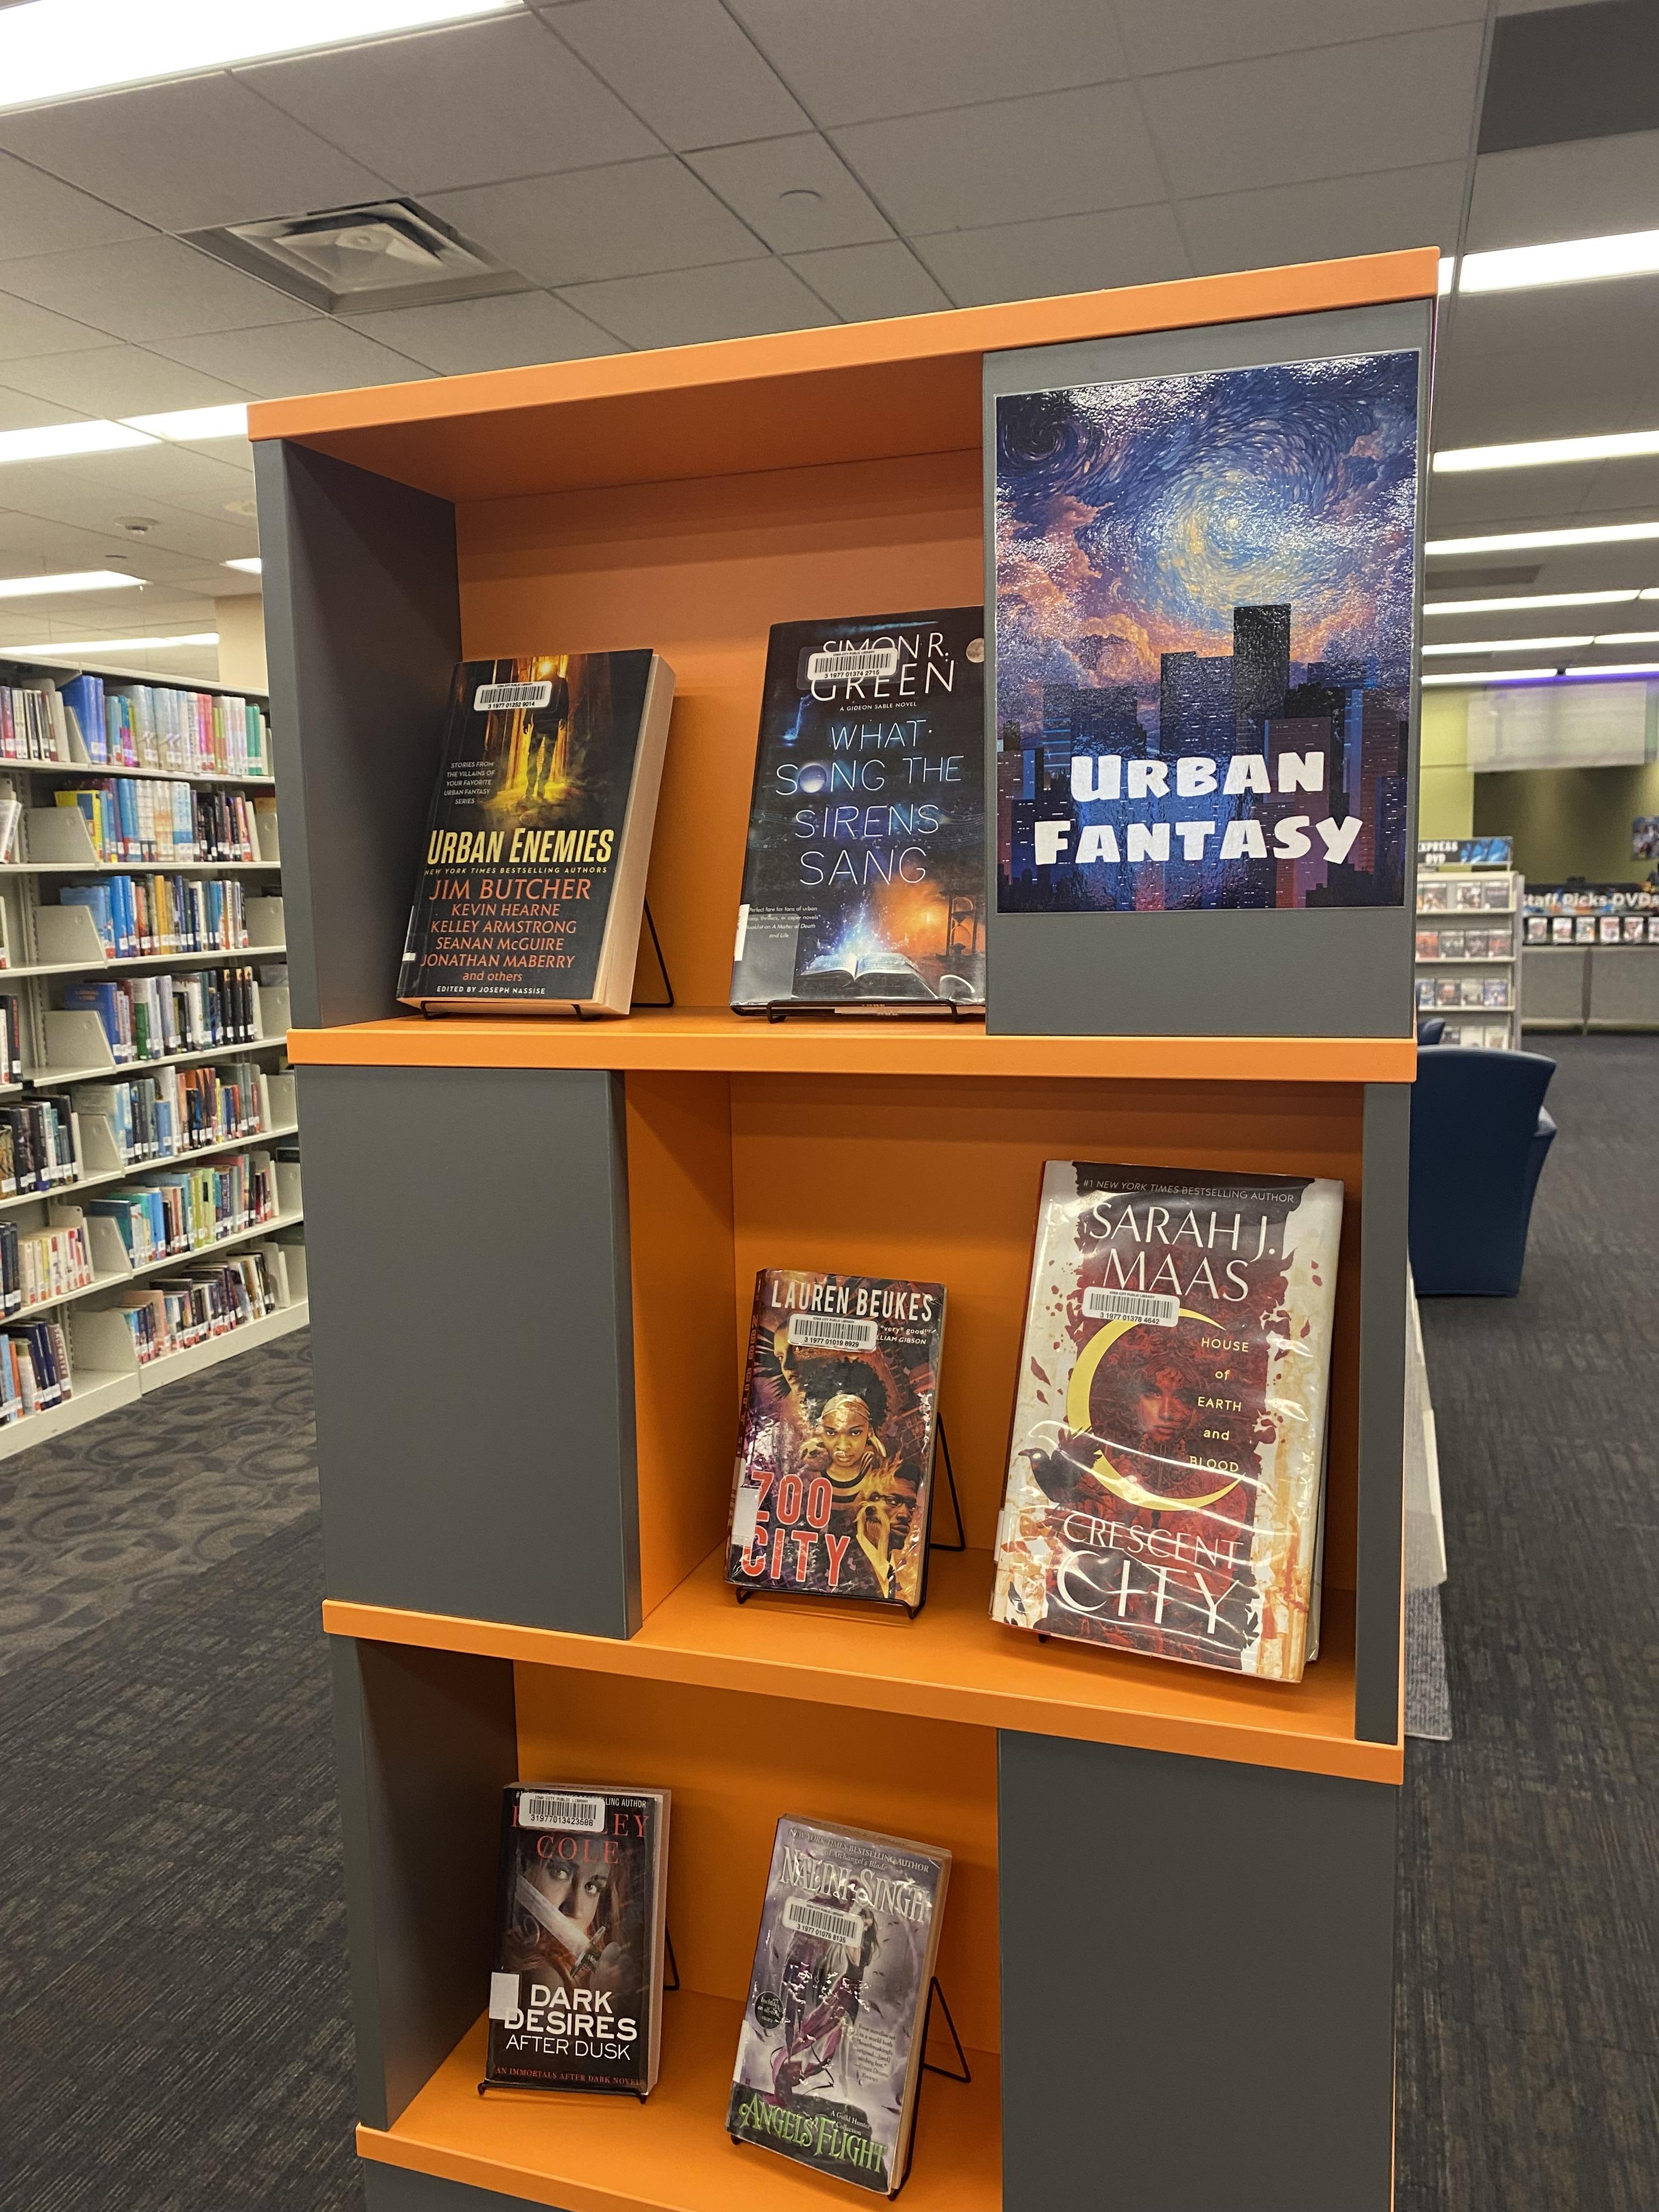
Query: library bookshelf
[
  {"x": 67, "y": 1053},
  {"x": 532, "y": 1249}
]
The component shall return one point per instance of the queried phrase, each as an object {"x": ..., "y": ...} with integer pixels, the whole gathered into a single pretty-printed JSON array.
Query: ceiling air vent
[{"x": 353, "y": 260}]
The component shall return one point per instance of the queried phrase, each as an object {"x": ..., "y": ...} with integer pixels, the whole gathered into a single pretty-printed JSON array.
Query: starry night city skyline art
[{"x": 1203, "y": 636}]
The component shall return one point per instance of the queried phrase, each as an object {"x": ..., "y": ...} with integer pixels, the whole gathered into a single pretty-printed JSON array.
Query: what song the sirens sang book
[
  {"x": 1165, "y": 1477},
  {"x": 576, "y": 1998},
  {"x": 532, "y": 875},
  {"x": 835, "y": 1460},
  {"x": 831, "y": 2048},
  {"x": 864, "y": 881}
]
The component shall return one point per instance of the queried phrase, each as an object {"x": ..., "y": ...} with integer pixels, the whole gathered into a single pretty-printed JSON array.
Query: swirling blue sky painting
[{"x": 1216, "y": 567}]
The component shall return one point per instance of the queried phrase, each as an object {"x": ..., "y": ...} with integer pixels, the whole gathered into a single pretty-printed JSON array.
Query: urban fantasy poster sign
[{"x": 1204, "y": 638}]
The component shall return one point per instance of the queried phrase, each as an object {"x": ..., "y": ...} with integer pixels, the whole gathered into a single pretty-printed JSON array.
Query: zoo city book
[
  {"x": 532, "y": 875},
  {"x": 1163, "y": 1481},
  {"x": 836, "y": 1450},
  {"x": 864, "y": 881},
  {"x": 576, "y": 1998},
  {"x": 831, "y": 2045}
]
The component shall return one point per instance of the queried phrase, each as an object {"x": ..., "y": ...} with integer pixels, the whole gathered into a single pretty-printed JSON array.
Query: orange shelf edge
[
  {"x": 671, "y": 2154},
  {"x": 701, "y": 1038},
  {"x": 952, "y": 1663}
]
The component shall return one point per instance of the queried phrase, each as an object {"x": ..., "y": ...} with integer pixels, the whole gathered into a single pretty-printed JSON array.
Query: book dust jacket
[{"x": 1164, "y": 1483}]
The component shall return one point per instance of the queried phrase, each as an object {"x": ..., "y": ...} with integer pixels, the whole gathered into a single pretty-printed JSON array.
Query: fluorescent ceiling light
[
  {"x": 1527, "y": 541},
  {"x": 1572, "y": 261},
  {"x": 192, "y": 423},
  {"x": 89, "y": 580},
  {"x": 1629, "y": 637},
  {"x": 53, "y": 439},
  {"x": 1621, "y": 668},
  {"x": 55, "y": 49},
  {"x": 1514, "y": 645},
  {"x": 253, "y": 567},
  {"x": 1540, "y": 452},
  {"x": 1542, "y": 599},
  {"x": 1472, "y": 677},
  {"x": 58, "y": 649}
]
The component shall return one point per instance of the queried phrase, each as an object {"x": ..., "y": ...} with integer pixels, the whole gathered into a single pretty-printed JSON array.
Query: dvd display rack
[
  {"x": 1468, "y": 953},
  {"x": 51, "y": 944},
  {"x": 1590, "y": 949},
  {"x": 532, "y": 1245}
]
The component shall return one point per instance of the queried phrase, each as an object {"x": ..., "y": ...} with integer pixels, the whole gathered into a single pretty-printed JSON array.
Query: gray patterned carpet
[{"x": 173, "y": 2029}]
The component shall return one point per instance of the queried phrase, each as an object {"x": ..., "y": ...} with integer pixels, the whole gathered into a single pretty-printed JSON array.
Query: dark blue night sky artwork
[{"x": 1204, "y": 634}]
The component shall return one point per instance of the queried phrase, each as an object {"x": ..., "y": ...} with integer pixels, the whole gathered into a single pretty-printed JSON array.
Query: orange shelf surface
[
  {"x": 689, "y": 1039},
  {"x": 671, "y": 2154},
  {"x": 952, "y": 1662}
]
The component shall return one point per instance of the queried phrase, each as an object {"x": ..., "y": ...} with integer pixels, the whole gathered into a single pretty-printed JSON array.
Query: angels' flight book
[
  {"x": 831, "y": 2048},
  {"x": 835, "y": 1452},
  {"x": 533, "y": 876},
  {"x": 576, "y": 1998},
  {"x": 1164, "y": 1479},
  {"x": 864, "y": 883}
]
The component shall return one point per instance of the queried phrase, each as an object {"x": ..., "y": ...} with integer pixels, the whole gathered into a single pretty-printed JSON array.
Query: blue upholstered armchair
[
  {"x": 1478, "y": 1136},
  {"x": 1430, "y": 1028}
]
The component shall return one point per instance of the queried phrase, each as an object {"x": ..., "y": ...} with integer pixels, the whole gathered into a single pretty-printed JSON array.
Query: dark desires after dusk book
[
  {"x": 533, "y": 876},
  {"x": 831, "y": 2047},
  {"x": 1163, "y": 1478},
  {"x": 864, "y": 883},
  {"x": 835, "y": 1458},
  {"x": 576, "y": 1998}
]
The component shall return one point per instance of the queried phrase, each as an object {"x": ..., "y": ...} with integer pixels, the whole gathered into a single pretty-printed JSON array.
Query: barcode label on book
[
  {"x": 503, "y": 1995},
  {"x": 494, "y": 698},
  {"x": 1131, "y": 1305},
  {"x": 854, "y": 663},
  {"x": 552, "y": 1808},
  {"x": 802, "y": 1917},
  {"x": 824, "y": 1333}
]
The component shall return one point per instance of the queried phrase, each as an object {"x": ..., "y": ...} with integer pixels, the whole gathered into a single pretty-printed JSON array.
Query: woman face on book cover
[
  {"x": 847, "y": 1430},
  {"x": 575, "y": 1893}
]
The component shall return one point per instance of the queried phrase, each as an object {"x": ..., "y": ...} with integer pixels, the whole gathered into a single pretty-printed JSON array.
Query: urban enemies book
[
  {"x": 1164, "y": 1474},
  {"x": 835, "y": 1459},
  {"x": 575, "y": 1997},
  {"x": 533, "y": 876},
  {"x": 831, "y": 2047},
  {"x": 864, "y": 883}
]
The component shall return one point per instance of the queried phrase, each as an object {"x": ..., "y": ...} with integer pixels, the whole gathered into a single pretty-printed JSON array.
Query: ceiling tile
[
  {"x": 1617, "y": 486},
  {"x": 117, "y": 381},
  {"x": 1619, "y": 316},
  {"x": 687, "y": 307},
  {"x": 318, "y": 355},
  {"x": 1594, "y": 189},
  {"x": 1009, "y": 160},
  {"x": 1555, "y": 391},
  {"x": 24, "y": 330},
  {"x": 43, "y": 215},
  {"x": 622, "y": 221},
  {"x": 1459, "y": 504},
  {"x": 851, "y": 61},
  {"x": 1326, "y": 111},
  {"x": 797, "y": 192},
  {"x": 62, "y": 493},
  {"x": 466, "y": 105},
  {"x": 153, "y": 287},
  {"x": 175, "y": 477},
  {"x": 186, "y": 155},
  {"x": 20, "y": 410},
  {"x": 514, "y": 331},
  {"x": 683, "y": 66},
  {"x": 868, "y": 283},
  {"x": 25, "y": 537},
  {"x": 1068, "y": 253},
  {"x": 1326, "y": 219},
  {"x": 1177, "y": 34}
]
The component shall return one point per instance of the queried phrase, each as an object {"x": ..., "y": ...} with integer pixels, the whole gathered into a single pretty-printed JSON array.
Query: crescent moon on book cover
[{"x": 1080, "y": 1420}]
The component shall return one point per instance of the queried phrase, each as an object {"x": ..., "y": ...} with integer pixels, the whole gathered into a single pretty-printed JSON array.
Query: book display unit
[
  {"x": 534, "y": 1244},
  {"x": 1591, "y": 948},
  {"x": 142, "y": 921},
  {"x": 1468, "y": 953}
]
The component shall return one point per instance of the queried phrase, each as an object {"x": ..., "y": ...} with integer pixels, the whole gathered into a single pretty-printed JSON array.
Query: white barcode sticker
[
  {"x": 494, "y": 698},
  {"x": 503, "y": 1995},
  {"x": 803, "y": 1918},
  {"x": 554, "y": 1808},
  {"x": 827, "y": 1332},
  {"x": 854, "y": 663},
  {"x": 1162, "y": 1312}
]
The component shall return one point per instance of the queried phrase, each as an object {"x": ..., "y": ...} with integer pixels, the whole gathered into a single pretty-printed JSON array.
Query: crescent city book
[
  {"x": 831, "y": 2047},
  {"x": 864, "y": 881},
  {"x": 576, "y": 1996},
  {"x": 1165, "y": 1473},
  {"x": 532, "y": 875}
]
